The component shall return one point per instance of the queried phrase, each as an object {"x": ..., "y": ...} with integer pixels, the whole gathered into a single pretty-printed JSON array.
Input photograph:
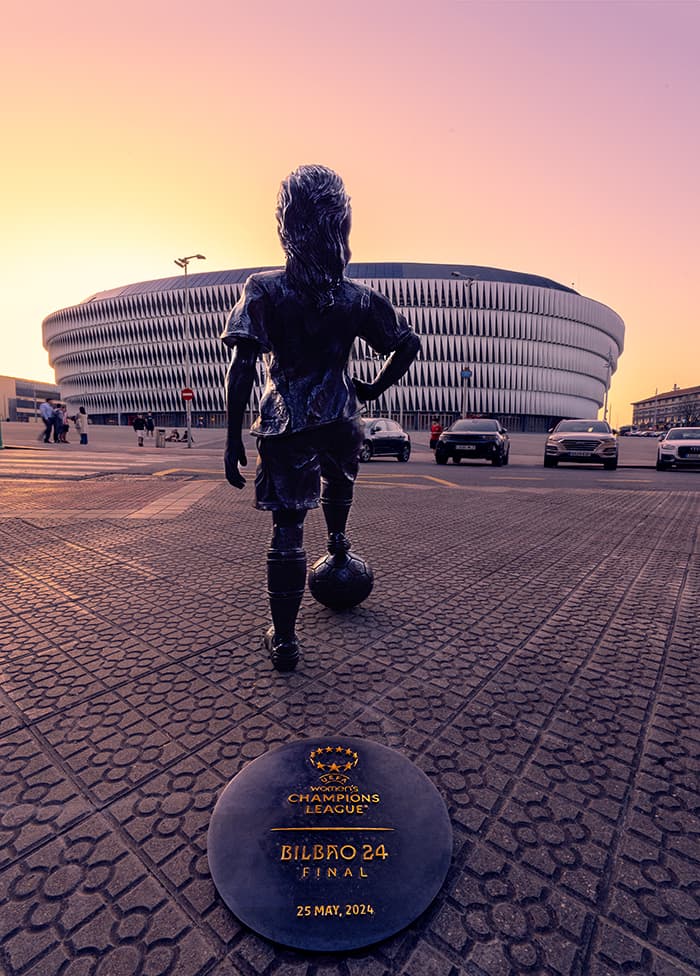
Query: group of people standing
[{"x": 56, "y": 425}]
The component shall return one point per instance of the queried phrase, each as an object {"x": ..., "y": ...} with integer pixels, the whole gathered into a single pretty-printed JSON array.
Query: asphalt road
[{"x": 114, "y": 451}]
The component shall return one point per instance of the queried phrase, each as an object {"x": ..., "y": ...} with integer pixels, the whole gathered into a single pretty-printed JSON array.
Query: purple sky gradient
[{"x": 556, "y": 138}]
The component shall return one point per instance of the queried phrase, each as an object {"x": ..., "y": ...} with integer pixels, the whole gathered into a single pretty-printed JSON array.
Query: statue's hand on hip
[
  {"x": 233, "y": 457},
  {"x": 363, "y": 391}
]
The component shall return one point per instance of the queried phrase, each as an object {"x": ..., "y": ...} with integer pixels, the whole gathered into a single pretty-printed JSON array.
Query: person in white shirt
[
  {"x": 81, "y": 420},
  {"x": 47, "y": 412}
]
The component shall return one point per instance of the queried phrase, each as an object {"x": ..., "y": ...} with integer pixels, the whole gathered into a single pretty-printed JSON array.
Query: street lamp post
[
  {"x": 182, "y": 263},
  {"x": 116, "y": 363},
  {"x": 466, "y": 372},
  {"x": 608, "y": 374}
]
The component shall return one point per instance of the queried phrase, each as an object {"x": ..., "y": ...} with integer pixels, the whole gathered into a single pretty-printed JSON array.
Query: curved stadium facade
[{"x": 537, "y": 351}]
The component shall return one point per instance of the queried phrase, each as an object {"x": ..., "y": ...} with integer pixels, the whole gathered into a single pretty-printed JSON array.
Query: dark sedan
[
  {"x": 384, "y": 438},
  {"x": 476, "y": 439}
]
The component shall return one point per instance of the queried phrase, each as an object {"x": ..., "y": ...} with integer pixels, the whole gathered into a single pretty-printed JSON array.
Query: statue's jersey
[{"x": 306, "y": 350}]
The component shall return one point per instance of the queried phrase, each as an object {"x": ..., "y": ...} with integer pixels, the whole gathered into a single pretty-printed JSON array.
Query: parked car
[
  {"x": 581, "y": 442},
  {"x": 384, "y": 438},
  {"x": 679, "y": 446},
  {"x": 473, "y": 439}
]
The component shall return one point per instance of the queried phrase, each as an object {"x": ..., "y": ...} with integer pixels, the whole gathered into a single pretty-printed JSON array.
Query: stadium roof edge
[{"x": 365, "y": 270}]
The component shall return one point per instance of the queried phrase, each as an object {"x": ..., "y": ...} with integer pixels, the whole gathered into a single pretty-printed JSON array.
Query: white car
[{"x": 680, "y": 446}]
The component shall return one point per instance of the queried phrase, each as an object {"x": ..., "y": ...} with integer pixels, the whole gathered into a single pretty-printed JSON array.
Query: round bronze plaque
[{"x": 329, "y": 844}]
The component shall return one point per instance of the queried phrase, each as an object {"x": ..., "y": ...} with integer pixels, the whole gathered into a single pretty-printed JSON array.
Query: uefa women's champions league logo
[
  {"x": 333, "y": 762},
  {"x": 333, "y": 793}
]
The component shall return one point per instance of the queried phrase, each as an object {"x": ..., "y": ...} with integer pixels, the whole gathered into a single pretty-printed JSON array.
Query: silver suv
[{"x": 581, "y": 442}]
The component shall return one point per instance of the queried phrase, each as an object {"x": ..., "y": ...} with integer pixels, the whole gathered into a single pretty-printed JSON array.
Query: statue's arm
[
  {"x": 239, "y": 385},
  {"x": 392, "y": 370}
]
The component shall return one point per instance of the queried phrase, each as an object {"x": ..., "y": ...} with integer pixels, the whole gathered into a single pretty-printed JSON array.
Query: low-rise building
[
  {"x": 675, "y": 408},
  {"x": 20, "y": 399}
]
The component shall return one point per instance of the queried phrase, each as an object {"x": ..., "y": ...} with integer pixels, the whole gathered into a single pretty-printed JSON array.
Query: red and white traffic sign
[{"x": 187, "y": 394}]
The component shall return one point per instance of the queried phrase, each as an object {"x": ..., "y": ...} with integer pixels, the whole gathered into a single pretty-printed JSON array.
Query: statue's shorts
[{"x": 290, "y": 468}]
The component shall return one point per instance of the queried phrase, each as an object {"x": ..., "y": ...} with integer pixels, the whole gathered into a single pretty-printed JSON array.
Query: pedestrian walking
[
  {"x": 47, "y": 411},
  {"x": 150, "y": 425},
  {"x": 81, "y": 420},
  {"x": 139, "y": 426}
]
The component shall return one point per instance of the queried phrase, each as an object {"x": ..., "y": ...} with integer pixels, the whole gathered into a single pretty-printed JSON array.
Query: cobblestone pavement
[{"x": 534, "y": 652}]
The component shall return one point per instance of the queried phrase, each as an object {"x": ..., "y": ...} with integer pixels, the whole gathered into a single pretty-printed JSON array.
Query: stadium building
[{"x": 494, "y": 343}]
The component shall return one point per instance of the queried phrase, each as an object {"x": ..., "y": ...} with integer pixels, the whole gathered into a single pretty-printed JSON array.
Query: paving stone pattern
[{"x": 535, "y": 653}]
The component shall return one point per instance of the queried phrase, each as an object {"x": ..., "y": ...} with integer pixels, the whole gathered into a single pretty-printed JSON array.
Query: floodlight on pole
[
  {"x": 608, "y": 375},
  {"x": 183, "y": 263}
]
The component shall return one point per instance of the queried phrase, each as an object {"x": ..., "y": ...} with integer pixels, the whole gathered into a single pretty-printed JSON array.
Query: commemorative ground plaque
[{"x": 329, "y": 844}]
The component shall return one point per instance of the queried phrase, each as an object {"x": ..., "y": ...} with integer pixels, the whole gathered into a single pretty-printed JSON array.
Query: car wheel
[
  {"x": 497, "y": 461},
  {"x": 506, "y": 457},
  {"x": 405, "y": 453},
  {"x": 440, "y": 457},
  {"x": 550, "y": 462},
  {"x": 365, "y": 453},
  {"x": 610, "y": 465}
]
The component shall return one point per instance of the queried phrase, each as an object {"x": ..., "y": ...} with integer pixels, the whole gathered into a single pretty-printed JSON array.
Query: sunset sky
[{"x": 556, "y": 138}]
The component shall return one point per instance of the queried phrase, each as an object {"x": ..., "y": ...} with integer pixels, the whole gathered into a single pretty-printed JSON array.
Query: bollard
[{"x": 160, "y": 437}]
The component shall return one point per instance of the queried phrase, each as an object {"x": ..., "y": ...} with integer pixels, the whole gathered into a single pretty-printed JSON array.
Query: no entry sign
[{"x": 187, "y": 394}]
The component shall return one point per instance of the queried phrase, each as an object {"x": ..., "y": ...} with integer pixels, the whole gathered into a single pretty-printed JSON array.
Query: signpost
[
  {"x": 329, "y": 844},
  {"x": 188, "y": 396},
  {"x": 465, "y": 374}
]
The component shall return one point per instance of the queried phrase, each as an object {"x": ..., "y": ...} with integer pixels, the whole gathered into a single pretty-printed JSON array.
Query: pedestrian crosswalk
[{"x": 56, "y": 464}]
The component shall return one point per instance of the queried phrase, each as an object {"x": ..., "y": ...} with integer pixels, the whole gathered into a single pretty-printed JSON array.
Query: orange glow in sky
[{"x": 556, "y": 138}]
